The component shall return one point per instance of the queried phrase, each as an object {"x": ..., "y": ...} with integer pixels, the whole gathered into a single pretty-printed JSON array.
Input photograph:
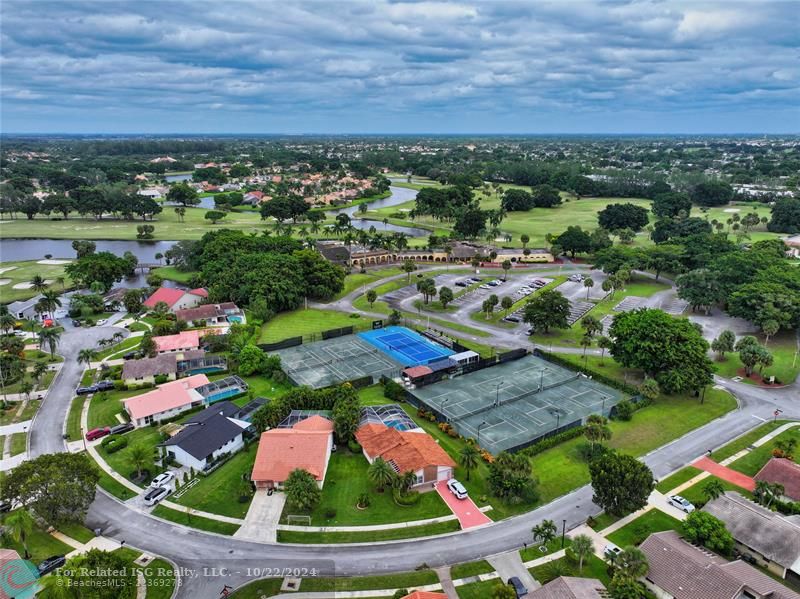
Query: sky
[{"x": 328, "y": 66}]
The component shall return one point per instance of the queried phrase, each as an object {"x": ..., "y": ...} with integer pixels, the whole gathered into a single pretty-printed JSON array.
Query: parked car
[
  {"x": 475, "y": 279},
  {"x": 519, "y": 588},
  {"x": 104, "y": 385},
  {"x": 484, "y": 286},
  {"x": 530, "y": 331},
  {"x": 76, "y": 323},
  {"x": 155, "y": 495},
  {"x": 682, "y": 504},
  {"x": 101, "y": 322},
  {"x": 97, "y": 433},
  {"x": 122, "y": 428},
  {"x": 576, "y": 278},
  {"x": 51, "y": 563},
  {"x": 162, "y": 479},
  {"x": 512, "y": 319},
  {"x": 131, "y": 355},
  {"x": 5, "y": 506},
  {"x": 85, "y": 390},
  {"x": 611, "y": 550},
  {"x": 462, "y": 284},
  {"x": 457, "y": 489}
]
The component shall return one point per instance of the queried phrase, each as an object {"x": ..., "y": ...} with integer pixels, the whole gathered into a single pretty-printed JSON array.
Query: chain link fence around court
[{"x": 511, "y": 405}]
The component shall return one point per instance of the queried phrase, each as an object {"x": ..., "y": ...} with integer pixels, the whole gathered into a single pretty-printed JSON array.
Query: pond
[
  {"x": 178, "y": 177},
  {"x": 399, "y": 195}
]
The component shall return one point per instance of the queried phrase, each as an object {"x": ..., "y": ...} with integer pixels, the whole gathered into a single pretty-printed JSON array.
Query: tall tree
[
  {"x": 549, "y": 309},
  {"x": 621, "y": 483},
  {"x": 469, "y": 458}
]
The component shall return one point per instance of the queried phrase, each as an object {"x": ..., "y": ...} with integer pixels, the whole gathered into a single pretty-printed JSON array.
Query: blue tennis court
[{"x": 406, "y": 346}]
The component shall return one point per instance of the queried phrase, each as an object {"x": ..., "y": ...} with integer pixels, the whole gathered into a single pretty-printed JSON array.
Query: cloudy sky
[{"x": 336, "y": 67}]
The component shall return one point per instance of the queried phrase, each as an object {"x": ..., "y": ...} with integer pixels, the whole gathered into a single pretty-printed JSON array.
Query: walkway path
[
  {"x": 17, "y": 427},
  {"x": 465, "y": 510},
  {"x": 510, "y": 564},
  {"x": 725, "y": 473},
  {"x": 447, "y": 582}
]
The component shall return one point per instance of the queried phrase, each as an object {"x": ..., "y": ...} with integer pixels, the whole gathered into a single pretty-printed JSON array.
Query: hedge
[{"x": 549, "y": 442}]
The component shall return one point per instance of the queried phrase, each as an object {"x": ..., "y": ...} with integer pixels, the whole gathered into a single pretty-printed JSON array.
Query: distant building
[
  {"x": 255, "y": 197},
  {"x": 171, "y": 365},
  {"x": 679, "y": 570},
  {"x": 793, "y": 243},
  {"x": 773, "y": 540},
  {"x": 306, "y": 446},
  {"x": 211, "y": 314},
  {"x": 166, "y": 401}
]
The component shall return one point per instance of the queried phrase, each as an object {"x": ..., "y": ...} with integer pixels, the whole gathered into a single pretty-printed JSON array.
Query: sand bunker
[
  {"x": 732, "y": 210},
  {"x": 23, "y": 285},
  {"x": 53, "y": 262},
  {"x": 6, "y": 269},
  {"x": 5, "y": 281}
]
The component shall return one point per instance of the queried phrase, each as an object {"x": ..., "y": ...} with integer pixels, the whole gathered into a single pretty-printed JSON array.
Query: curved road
[{"x": 242, "y": 561}]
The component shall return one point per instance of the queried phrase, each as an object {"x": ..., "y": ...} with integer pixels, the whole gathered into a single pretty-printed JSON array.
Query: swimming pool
[
  {"x": 406, "y": 346},
  {"x": 223, "y": 395},
  {"x": 235, "y": 319}
]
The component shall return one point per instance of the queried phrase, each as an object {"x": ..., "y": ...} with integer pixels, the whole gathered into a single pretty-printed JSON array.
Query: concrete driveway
[
  {"x": 261, "y": 522},
  {"x": 510, "y": 564}
]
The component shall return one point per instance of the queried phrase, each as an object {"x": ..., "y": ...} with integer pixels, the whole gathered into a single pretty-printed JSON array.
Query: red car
[{"x": 96, "y": 433}]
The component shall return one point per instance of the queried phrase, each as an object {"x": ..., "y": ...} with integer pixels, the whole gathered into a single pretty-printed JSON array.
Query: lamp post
[
  {"x": 563, "y": 532},
  {"x": 775, "y": 415},
  {"x": 441, "y": 406},
  {"x": 482, "y": 424},
  {"x": 497, "y": 393}
]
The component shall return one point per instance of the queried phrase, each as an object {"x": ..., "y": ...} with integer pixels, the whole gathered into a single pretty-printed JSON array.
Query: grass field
[
  {"x": 392, "y": 534},
  {"x": 18, "y": 443},
  {"x": 113, "y": 486},
  {"x": 218, "y": 493},
  {"x": 642, "y": 527},
  {"x": 786, "y": 365},
  {"x": 306, "y": 322},
  {"x": 356, "y": 279},
  {"x": 746, "y": 440},
  {"x": 104, "y": 407},
  {"x": 471, "y": 569},
  {"x": 346, "y": 479},
  {"x": 170, "y": 273},
  {"x": 40, "y": 544},
  {"x": 23, "y": 272},
  {"x": 159, "y": 576},
  {"x": 678, "y": 478},
  {"x": 120, "y": 460},
  {"x": 593, "y": 567},
  {"x": 752, "y": 462},
  {"x": 223, "y": 528},
  {"x": 126, "y": 345}
]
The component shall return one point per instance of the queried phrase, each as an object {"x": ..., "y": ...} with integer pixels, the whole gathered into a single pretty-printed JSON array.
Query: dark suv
[
  {"x": 104, "y": 385},
  {"x": 519, "y": 588},
  {"x": 121, "y": 428},
  {"x": 51, "y": 563}
]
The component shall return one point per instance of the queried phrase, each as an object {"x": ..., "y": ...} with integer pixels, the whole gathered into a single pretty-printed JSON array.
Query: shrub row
[
  {"x": 406, "y": 499},
  {"x": 113, "y": 443},
  {"x": 549, "y": 442}
]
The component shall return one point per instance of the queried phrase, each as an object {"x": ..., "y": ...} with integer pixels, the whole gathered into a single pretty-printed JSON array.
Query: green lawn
[
  {"x": 170, "y": 273},
  {"x": 746, "y": 440},
  {"x": 392, "y": 534},
  {"x": 642, "y": 527},
  {"x": 677, "y": 479},
  {"x": 77, "y": 531},
  {"x": 23, "y": 272},
  {"x": 603, "y": 521},
  {"x": 223, "y": 528},
  {"x": 127, "y": 344},
  {"x": 218, "y": 492},
  {"x": 159, "y": 574},
  {"x": 785, "y": 367},
  {"x": 18, "y": 443},
  {"x": 697, "y": 496},
  {"x": 40, "y": 544},
  {"x": 306, "y": 322},
  {"x": 120, "y": 460},
  {"x": 357, "y": 279},
  {"x": 346, "y": 479},
  {"x": 593, "y": 567},
  {"x": 373, "y": 396},
  {"x": 468, "y": 569},
  {"x": 74, "y": 418},
  {"x": 533, "y": 551},
  {"x": 752, "y": 462},
  {"x": 104, "y": 406},
  {"x": 113, "y": 486},
  {"x": 37, "y": 355}
]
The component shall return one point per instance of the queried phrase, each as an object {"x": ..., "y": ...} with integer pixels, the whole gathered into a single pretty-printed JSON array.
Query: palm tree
[
  {"x": 62, "y": 280},
  {"x": 20, "y": 525},
  {"x": 38, "y": 371},
  {"x": 405, "y": 481},
  {"x": 25, "y": 388},
  {"x": 765, "y": 493},
  {"x": 380, "y": 473},
  {"x": 603, "y": 343},
  {"x": 139, "y": 457},
  {"x": 469, "y": 458},
  {"x": 7, "y": 322},
  {"x": 38, "y": 284},
  {"x": 181, "y": 211},
  {"x": 86, "y": 356},
  {"x": 713, "y": 489},
  {"x": 50, "y": 336},
  {"x": 544, "y": 532},
  {"x": 582, "y": 546},
  {"x": 632, "y": 562},
  {"x": 50, "y": 299},
  {"x": 588, "y": 282},
  {"x": 596, "y": 429}
]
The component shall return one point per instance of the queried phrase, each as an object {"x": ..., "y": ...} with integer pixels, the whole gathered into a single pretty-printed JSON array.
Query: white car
[
  {"x": 101, "y": 322},
  {"x": 681, "y": 503},
  {"x": 162, "y": 479},
  {"x": 611, "y": 550},
  {"x": 457, "y": 489},
  {"x": 155, "y": 495}
]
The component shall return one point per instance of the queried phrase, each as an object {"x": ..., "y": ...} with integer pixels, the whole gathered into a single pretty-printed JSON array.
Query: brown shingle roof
[
  {"x": 687, "y": 572},
  {"x": 161, "y": 364},
  {"x": 409, "y": 451},
  {"x": 568, "y": 587},
  {"x": 206, "y": 311},
  {"x": 784, "y": 472}
]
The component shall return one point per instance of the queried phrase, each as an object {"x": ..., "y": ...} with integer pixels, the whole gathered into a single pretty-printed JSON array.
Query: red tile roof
[
  {"x": 165, "y": 397},
  {"x": 424, "y": 595},
  {"x": 183, "y": 340},
  {"x": 409, "y": 451},
  {"x": 281, "y": 450},
  {"x": 168, "y": 295},
  {"x": 417, "y": 371},
  {"x": 199, "y": 292},
  {"x": 784, "y": 472},
  {"x": 314, "y": 423}
]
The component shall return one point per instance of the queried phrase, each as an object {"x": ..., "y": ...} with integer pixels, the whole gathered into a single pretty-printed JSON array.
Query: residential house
[
  {"x": 207, "y": 436},
  {"x": 679, "y": 570},
  {"x": 24, "y": 308},
  {"x": 180, "y": 342},
  {"x": 211, "y": 314},
  {"x": 176, "y": 299},
  {"x": 306, "y": 446},
  {"x": 405, "y": 451},
  {"x": 569, "y": 587},
  {"x": 785, "y": 473},
  {"x": 773, "y": 540},
  {"x": 165, "y": 401},
  {"x": 154, "y": 193},
  {"x": 254, "y": 198},
  {"x": 793, "y": 243},
  {"x": 20, "y": 577},
  {"x": 171, "y": 365}
]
